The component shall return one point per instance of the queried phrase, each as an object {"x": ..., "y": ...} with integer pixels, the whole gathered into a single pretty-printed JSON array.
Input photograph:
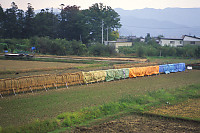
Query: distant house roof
[
  {"x": 172, "y": 39},
  {"x": 191, "y": 36}
]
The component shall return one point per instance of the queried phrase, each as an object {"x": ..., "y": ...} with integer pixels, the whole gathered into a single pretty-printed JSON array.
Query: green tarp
[
  {"x": 126, "y": 72},
  {"x": 116, "y": 74}
]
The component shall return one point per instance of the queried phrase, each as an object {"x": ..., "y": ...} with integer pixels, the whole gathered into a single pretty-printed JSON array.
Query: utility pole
[
  {"x": 102, "y": 31},
  {"x": 107, "y": 33},
  {"x": 80, "y": 38}
]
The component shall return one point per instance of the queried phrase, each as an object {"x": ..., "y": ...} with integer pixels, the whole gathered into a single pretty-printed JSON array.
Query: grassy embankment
[{"x": 85, "y": 103}]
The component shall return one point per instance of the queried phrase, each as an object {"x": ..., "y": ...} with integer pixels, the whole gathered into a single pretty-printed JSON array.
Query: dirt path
[{"x": 142, "y": 124}]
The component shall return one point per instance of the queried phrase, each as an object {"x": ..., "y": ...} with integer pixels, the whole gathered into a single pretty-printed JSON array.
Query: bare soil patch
[
  {"x": 138, "y": 123},
  {"x": 188, "y": 109},
  {"x": 143, "y": 124}
]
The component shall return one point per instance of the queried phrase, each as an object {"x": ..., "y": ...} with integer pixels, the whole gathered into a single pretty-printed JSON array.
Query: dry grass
[
  {"x": 96, "y": 58},
  {"x": 15, "y": 65}
]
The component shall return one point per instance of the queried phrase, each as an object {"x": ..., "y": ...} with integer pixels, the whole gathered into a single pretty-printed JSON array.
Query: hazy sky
[{"x": 84, "y": 4}]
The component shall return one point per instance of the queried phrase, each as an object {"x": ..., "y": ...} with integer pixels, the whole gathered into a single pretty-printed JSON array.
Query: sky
[{"x": 85, "y": 4}]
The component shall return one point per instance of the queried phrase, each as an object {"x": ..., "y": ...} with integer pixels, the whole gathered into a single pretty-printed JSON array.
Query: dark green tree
[
  {"x": 10, "y": 21},
  {"x": 20, "y": 23},
  {"x": 29, "y": 22},
  {"x": 2, "y": 19},
  {"x": 98, "y": 16},
  {"x": 197, "y": 52},
  {"x": 148, "y": 38},
  {"x": 72, "y": 23},
  {"x": 46, "y": 24}
]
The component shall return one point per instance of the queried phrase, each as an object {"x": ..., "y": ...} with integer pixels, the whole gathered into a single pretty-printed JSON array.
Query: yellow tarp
[{"x": 94, "y": 76}]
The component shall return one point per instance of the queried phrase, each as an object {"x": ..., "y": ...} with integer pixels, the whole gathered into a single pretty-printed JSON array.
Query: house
[
  {"x": 118, "y": 44},
  {"x": 179, "y": 42},
  {"x": 174, "y": 42},
  {"x": 142, "y": 39},
  {"x": 191, "y": 40}
]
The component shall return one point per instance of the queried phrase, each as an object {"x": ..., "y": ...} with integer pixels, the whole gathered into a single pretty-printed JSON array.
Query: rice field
[
  {"x": 43, "y": 105},
  {"x": 25, "y": 108}
]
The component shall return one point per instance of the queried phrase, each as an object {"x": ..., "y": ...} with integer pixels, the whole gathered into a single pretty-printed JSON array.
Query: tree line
[
  {"x": 70, "y": 24},
  {"x": 58, "y": 46}
]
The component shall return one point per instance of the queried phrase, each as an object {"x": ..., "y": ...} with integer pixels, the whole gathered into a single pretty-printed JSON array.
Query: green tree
[
  {"x": 148, "y": 38},
  {"x": 197, "y": 52},
  {"x": 140, "y": 51},
  {"x": 100, "y": 15},
  {"x": 99, "y": 49},
  {"x": 10, "y": 21},
  {"x": 114, "y": 35},
  {"x": 29, "y": 22},
  {"x": 2, "y": 19},
  {"x": 46, "y": 24},
  {"x": 71, "y": 24},
  {"x": 20, "y": 23}
]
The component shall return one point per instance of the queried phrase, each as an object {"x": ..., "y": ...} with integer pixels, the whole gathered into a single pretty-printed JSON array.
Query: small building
[
  {"x": 118, "y": 44},
  {"x": 174, "y": 42},
  {"x": 179, "y": 42},
  {"x": 192, "y": 40},
  {"x": 142, "y": 39}
]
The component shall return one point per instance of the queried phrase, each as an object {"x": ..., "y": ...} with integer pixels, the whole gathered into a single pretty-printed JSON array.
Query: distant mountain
[{"x": 170, "y": 22}]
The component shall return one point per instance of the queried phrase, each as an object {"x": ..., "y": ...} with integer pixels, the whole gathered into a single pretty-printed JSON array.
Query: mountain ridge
[{"x": 168, "y": 22}]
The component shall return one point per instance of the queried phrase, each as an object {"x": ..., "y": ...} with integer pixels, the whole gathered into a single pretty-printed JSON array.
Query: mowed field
[
  {"x": 17, "y": 68},
  {"x": 25, "y": 108}
]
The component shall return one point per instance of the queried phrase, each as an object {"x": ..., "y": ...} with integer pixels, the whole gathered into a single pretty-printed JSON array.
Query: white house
[
  {"x": 191, "y": 40},
  {"x": 179, "y": 42},
  {"x": 175, "y": 42}
]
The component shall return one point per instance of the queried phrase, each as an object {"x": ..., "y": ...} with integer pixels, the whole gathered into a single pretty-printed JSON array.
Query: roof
[
  {"x": 191, "y": 36},
  {"x": 172, "y": 39}
]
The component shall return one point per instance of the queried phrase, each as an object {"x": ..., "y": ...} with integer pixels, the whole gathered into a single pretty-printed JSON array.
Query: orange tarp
[
  {"x": 152, "y": 70},
  {"x": 136, "y": 72},
  {"x": 142, "y": 71}
]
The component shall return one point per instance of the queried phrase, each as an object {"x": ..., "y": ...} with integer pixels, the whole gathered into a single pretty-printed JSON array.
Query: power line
[{"x": 157, "y": 28}]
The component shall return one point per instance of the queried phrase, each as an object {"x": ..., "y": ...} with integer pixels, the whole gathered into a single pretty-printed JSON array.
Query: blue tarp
[
  {"x": 173, "y": 67},
  {"x": 161, "y": 68},
  {"x": 181, "y": 67},
  {"x": 167, "y": 68},
  {"x": 164, "y": 69}
]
